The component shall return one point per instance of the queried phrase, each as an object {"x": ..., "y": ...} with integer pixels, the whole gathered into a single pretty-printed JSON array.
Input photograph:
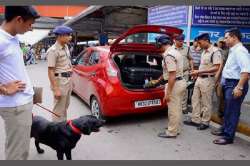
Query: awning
[
  {"x": 111, "y": 20},
  {"x": 33, "y": 36}
]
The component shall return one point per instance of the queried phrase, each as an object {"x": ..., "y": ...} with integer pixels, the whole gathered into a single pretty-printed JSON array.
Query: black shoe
[
  {"x": 202, "y": 127},
  {"x": 166, "y": 128},
  {"x": 164, "y": 135},
  {"x": 217, "y": 132},
  {"x": 190, "y": 123},
  {"x": 222, "y": 141}
]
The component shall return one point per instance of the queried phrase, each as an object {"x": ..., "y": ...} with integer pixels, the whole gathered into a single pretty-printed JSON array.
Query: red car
[{"x": 111, "y": 78}]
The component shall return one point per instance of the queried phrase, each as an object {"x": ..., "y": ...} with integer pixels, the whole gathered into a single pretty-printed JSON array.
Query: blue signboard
[
  {"x": 168, "y": 15},
  {"x": 217, "y": 32},
  {"x": 221, "y": 15}
]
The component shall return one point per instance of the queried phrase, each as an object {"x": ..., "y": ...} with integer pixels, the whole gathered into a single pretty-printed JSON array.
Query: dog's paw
[{"x": 40, "y": 151}]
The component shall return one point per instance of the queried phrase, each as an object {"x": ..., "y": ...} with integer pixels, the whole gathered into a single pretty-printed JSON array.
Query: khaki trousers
[
  {"x": 175, "y": 107},
  {"x": 17, "y": 121},
  {"x": 202, "y": 100},
  {"x": 220, "y": 98},
  {"x": 185, "y": 95},
  {"x": 61, "y": 105}
]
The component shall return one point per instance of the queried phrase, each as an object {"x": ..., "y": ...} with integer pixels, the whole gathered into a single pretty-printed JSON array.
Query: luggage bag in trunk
[{"x": 137, "y": 76}]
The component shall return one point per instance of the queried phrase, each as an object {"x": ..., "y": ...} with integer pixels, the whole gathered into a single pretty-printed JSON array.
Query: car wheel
[{"x": 96, "y": 109}]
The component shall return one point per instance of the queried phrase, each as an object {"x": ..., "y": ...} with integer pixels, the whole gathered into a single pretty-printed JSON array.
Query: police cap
[
  {"x": 203, "y": 36},
  {"x": 181, "y": 37},
  {"x": 163, "y": 40},
  {"x": 62, "y": 30}
]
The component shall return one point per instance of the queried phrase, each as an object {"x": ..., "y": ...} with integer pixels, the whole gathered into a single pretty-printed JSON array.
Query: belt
[
  {"x": 64, "y": 74},
  {"x": 228, "y": 79},
  {"x": 163, "y": 82},
  {"x": 206, "y": 76},
  {"x": 177, "y": 79}
]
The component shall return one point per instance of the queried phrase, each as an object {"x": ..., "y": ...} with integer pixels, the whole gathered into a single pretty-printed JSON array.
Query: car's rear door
[{"x": 141, "y": 38}]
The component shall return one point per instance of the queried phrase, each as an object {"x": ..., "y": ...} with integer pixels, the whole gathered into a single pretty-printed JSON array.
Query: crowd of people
[
  {"x": 224, "y": 67},
  {"x": 32, "y": 54}
]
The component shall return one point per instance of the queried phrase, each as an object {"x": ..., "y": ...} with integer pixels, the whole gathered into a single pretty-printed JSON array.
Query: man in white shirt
[
  {"x": 234, "y": 81},
  {"x": 16, "y": 90}
]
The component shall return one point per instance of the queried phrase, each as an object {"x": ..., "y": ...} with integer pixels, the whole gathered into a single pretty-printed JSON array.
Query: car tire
[{"x": 96, "y": 109}]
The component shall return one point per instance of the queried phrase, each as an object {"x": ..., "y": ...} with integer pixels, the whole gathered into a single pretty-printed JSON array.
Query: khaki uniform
[
  {"x": 173, "y": 61},
  {"x": 204, "y": 87},
  {"x": 218, "y": 88},
  {"x": 184, "y": 51},
  {"x": 59, "y": 57}
]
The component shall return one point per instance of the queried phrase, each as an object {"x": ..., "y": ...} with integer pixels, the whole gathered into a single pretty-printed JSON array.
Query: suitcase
[{"x": 137, "y": 76}]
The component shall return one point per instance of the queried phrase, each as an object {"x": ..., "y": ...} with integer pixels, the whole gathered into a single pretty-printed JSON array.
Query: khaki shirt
[
  {"x": 224, "y": 54},
  {"x": 172, "y": 61},
  {"x": 211, "y": 56},
  {"x": 59, "y": 57},
  {"x": 184, "y": 51}
]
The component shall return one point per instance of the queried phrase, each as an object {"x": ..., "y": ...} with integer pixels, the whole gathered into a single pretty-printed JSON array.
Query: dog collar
[{"x": 74, "y": 128}]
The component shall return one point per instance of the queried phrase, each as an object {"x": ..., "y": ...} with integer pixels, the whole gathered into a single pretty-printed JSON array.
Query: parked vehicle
[{"x": 111, "y": 78}]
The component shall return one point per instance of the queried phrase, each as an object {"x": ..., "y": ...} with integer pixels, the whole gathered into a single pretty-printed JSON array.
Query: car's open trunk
[{"x": 138, "y": 68}]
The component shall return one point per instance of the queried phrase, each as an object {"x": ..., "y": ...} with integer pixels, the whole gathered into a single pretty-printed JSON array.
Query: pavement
[{"x": 132, "y": 137}]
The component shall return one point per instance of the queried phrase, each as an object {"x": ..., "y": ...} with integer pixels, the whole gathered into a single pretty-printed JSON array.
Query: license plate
[{"x": 147, "y": 103}]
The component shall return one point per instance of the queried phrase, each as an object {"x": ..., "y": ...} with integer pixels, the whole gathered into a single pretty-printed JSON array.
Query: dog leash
[
  {"x": 48, "y": 110},
  {"x": 69, "y": 122}
]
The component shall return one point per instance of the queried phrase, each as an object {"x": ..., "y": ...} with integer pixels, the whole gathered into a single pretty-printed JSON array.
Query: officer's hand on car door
[{"x": 57, "y": 93}]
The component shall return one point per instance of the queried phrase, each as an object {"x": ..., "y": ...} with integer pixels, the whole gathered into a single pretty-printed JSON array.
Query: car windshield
[{"x": 140, "y": 38}]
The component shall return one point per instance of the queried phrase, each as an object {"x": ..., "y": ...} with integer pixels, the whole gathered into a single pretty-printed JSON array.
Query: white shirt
[
  {"x": 12, "y": 68},
  {"x": 238, "y": 62}
]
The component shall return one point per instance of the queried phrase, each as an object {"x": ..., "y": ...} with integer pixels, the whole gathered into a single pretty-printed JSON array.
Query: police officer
[
  {"x": 195, "y": 52},
  {"x": 235, "y": 76},
  {"x": 175, "y": 87},
  {"x": 187, "y": 65},
  {"x": 218, "y": 87},
  {"x": 204, "y": 85},
  {"x": 59, "y": 71}
]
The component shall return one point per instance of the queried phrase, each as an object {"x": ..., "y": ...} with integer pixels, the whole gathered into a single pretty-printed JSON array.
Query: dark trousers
[{"x": 232, "y": 108}]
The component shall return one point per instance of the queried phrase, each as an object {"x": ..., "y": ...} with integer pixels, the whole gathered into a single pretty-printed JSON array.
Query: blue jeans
[{"x": 232, "y": 108}]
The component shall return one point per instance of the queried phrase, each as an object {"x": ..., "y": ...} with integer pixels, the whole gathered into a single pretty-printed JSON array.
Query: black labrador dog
[{"x": 62, "y": 136}]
